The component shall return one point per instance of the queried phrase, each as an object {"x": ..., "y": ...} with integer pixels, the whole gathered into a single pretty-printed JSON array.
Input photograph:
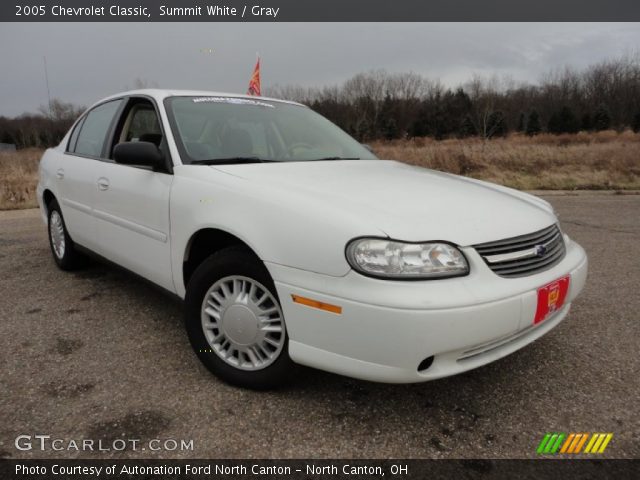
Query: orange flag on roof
[{"x": 254, "y": 83}]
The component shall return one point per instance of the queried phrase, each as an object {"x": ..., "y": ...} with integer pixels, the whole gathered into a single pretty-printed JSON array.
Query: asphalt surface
[{"x": 99, "y": 354}]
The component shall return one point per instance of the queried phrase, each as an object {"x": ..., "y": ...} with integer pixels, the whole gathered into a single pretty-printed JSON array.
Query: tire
[
  {"x": 232, "y": 316},
  {"x": 62, "y": 247}
]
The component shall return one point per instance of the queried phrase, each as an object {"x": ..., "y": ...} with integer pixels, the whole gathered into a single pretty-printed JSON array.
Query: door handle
[
  {"x": 60, "y": 173},
  {"x": 103, "y": 183}
]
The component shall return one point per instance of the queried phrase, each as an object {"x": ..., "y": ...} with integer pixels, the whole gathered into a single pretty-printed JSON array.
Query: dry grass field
[
  {"x": 596, "y": 161},
  {"x": 18, "y": 178},
  {"x": 604, "y": 160}
]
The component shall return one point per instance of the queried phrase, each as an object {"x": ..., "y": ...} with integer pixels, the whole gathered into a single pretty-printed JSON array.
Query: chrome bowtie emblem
[{"x": 540, "y": 250}]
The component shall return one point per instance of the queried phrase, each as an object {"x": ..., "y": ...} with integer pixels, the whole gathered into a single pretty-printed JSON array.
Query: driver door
[{"x": 132, "y": 203}]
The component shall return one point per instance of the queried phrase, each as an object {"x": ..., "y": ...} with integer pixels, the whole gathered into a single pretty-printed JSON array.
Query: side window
[
  {"x": 95, "y": 128},
  {"x": 140, "y": 123},
  {"x": 74, "y": 135},
  {"x": 144, "y": 125}
]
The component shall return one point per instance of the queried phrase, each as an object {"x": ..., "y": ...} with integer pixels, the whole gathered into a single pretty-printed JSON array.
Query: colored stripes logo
[{"x": 554, "y": 443}]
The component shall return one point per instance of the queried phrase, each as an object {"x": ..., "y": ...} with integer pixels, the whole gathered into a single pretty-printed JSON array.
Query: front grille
[{"x": 524, "y": 255}]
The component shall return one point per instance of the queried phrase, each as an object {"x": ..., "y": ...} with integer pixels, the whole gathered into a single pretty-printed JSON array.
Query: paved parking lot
[{"x": 99, "y": 354}]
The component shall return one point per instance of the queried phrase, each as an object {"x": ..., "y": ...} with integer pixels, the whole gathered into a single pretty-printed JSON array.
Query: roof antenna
[{"x": 46, "y": 79}]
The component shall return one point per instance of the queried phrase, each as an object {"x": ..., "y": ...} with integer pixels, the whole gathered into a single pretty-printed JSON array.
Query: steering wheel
[{"x": 297, "y": 145}]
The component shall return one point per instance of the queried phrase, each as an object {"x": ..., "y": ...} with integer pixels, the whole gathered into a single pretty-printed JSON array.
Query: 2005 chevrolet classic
[{"x": 291, "y": 243}]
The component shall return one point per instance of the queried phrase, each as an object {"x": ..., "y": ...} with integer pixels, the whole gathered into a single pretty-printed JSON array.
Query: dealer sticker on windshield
[
  {"x": 551, "y": 297},
  {"x": 232, "y": 100}
]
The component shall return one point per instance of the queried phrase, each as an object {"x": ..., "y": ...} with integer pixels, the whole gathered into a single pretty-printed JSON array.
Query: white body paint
[{"x": 298, "y": 218}]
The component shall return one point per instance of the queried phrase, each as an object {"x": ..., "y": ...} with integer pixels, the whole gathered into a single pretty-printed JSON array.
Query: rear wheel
[
  {"x": 235, "y": 322},
  {"x": 62, "y": 247}
]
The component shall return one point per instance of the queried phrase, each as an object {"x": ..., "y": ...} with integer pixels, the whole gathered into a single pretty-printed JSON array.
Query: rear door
[
  {"x": 78, "y": 171},
  {"x": 132, "y": 203}
]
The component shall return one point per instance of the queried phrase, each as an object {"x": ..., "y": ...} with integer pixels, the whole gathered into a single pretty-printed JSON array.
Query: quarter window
[
  {"x": 95, "y": 128},
  {"x": 74, "y": 136}
]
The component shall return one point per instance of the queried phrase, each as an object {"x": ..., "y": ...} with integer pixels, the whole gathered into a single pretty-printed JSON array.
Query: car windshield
[{"x": 241, "y": 130}]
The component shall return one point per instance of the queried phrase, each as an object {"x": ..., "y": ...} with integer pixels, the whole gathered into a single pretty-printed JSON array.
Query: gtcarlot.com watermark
[{"x": 48, "y": 443}]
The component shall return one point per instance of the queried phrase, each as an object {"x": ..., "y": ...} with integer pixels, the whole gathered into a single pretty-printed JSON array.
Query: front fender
[{"x": 283, "y": 228}]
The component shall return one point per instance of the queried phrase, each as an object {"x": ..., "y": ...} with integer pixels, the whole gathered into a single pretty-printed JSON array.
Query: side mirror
[{"x": 145, "y": 154}]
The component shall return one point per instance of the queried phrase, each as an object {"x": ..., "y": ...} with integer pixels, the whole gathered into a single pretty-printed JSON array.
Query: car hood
[{"x": 405, "y": 202}]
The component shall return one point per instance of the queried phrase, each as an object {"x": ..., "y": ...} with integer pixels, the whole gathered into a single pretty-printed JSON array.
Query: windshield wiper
[
  {"x": 338, "y": 158},
  {"x": 230, "y": 160}
]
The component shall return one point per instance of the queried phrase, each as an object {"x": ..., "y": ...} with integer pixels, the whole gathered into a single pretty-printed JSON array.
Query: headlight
[{"x": 406, "y": 261}]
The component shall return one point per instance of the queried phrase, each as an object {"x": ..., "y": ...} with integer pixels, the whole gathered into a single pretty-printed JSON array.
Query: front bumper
[{"x": 387, "y": 328}]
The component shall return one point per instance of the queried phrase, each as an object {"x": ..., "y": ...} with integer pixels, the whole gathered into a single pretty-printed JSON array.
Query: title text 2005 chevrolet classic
[{"x": 292, "y": 243}]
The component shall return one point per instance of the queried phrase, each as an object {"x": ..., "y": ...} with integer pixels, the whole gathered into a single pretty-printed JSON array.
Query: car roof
[{"x": 160, "y": 94}]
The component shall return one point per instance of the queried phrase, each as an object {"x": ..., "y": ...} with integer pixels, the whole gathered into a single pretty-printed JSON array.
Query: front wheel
[{"x": 235, "y": 322}]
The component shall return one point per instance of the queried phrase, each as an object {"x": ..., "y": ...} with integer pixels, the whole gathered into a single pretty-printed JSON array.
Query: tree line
[
  {"x": 42, "y": 129},
  {"x": 379, "y": 104},
  {"x": 50, "y": 123},
  {"x": 382, "y": 105}
]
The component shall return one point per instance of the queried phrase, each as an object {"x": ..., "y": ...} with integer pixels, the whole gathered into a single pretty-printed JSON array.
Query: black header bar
[{"x": 320, "y": 11}]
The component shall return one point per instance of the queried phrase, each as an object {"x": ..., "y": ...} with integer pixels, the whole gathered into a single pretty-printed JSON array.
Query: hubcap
[
  {"x": 56, "y": 229},
  {"x": 243, "y": 323}
]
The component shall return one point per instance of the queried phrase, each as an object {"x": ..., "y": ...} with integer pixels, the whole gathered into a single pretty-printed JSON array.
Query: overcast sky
[{"x": 91, "y": 60}]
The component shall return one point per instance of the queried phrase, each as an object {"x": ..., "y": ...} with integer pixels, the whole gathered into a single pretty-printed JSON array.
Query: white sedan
[{"x": 291, "y": 243}]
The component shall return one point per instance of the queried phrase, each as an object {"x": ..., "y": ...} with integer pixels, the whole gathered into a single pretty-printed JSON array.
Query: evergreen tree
[
  {"x": 390, "y": 129},
  {"x": 467, "y": 128},
  {"x": 601, "y": 119},
  {"x": 636, "y": 123},
  {"x": 462, "y": 100},
  {"x": 454, "y": 107},
  {"x": 361, "y": 130},
  {"x": 496, "y": 125},
  {"x": 563, "y": 121},
  {"x": 420, "y": 126},
  {"x": 533, "y": 123},
  {"x": 387, "y": 123},
  {"x": 587, "y": 123},
  {"x": 439, "y": 124},
  {"x": 5, "y": 137},
  {"x": 554, "y": 125},
  {"x": 520, "y": 127},
  {"x": 568, "y": 121}
]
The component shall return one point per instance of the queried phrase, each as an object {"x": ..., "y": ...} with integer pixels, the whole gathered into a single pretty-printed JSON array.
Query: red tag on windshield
[{"x": 551, "y": 297}]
